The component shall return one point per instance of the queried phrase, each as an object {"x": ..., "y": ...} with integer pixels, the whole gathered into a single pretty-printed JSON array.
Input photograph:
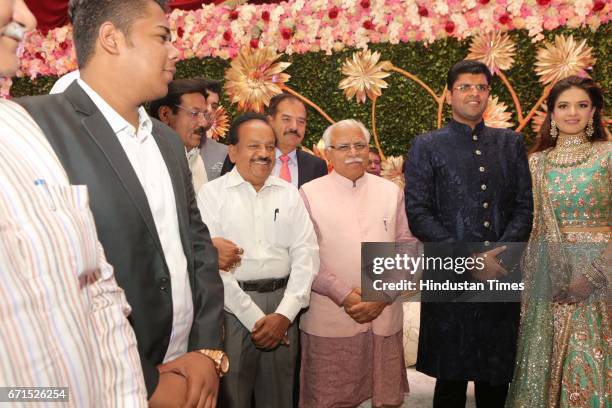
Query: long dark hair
[{"x": 544, "y": 140}]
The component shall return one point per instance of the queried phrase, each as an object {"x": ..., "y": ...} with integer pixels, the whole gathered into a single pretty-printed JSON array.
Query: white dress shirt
[
  {"x": 197, "y": 168},
  {"x": 293, "y": 165},
  {"x": 150, "y": 167},
  {"x": 275, "y": 231}
]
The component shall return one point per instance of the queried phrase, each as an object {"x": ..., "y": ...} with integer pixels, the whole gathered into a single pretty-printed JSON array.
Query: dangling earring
[
  {"x": 554, "y": 132},
  {"x": 590, "y": 130}
]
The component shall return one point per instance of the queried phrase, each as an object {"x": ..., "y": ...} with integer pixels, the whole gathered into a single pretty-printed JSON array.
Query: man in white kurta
[
  {"x": 265, "y": 216},
  {"x": 351, "y": 350}
]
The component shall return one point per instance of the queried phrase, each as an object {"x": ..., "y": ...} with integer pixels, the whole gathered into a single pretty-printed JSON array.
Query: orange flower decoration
[
  {"x": 220, "y": 124},
  {"x": 495, "y": 50},
  {"x": 538, "y": 119},
  {"x": 392, "y": 170},
  {"x": 364, "y": 76},
  {"x": 254, "y": 77},
  {"x": 564, "y": 58},
  {"x": 495, "y": 115}
]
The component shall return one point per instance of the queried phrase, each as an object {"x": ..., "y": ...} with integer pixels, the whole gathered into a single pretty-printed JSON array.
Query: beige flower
[
  {"x": 538, "y": 119},
  {"x": 494, "y": 49},
  {"x": 254, "y": 77},
  {"x": 220, "y": 124},
  {"x": 392, "y": 170},
  {"x": 364, "y": 76},
  {"x": 495, "y": 115},
  {"x": 318, "y": 150},
  {"x": 563, "y": 58}
]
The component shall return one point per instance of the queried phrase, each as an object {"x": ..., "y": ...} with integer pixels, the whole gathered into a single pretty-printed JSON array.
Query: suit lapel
[
  {"x": 102, "y": 134},
  {"x": 302, "y": 167},
  {"x": 178, "y": 186}
]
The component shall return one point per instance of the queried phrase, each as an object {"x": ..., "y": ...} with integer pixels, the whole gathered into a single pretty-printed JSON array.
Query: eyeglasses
[
  {"x": 194, "y": 114},
  {"x": 346, "y": 147},
  {"x": 465, "y": 88}
]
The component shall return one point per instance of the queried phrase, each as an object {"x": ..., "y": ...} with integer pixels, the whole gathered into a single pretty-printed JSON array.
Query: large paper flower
[
  {"x": 495, "y": 49},
  {"x": 318, "y": 150},
  {"x": 495, "y": 115},
  {"x": 364, "y": 76},
  {"x": 254, "y": 77},
  {"x": 563, "y": 58},
  {"x": 392, "y": 170},
  {"x": 220, "y": 124},
  {"x": 538, "y": 119}
]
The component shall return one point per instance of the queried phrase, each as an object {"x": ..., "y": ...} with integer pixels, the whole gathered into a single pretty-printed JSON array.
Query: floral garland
[{"x": 300, "y": 26}]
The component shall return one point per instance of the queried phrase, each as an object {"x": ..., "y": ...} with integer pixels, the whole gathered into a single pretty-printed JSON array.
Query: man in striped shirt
[{"x": 62, "y": 316}]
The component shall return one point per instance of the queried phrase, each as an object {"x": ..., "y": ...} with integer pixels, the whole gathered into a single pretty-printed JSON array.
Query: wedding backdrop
[{"x": 383, "y": 62}]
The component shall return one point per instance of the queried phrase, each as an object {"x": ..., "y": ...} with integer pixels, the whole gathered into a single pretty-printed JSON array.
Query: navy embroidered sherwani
[{"x": 465, "y": 185}]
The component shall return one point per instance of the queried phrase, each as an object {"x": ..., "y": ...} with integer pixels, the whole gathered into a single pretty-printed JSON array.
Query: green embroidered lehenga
[{"x": 563, "y": 357}]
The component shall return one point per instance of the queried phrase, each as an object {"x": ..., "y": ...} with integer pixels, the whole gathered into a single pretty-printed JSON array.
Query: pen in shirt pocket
[
  {"x": 275, "y": 213},
  {"x": 41, "y": 183},
  {"x": 385, "y": 223}
]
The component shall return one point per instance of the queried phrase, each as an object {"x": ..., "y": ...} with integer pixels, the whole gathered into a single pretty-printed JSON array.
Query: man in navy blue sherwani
[{"x": 469, "y": 183}]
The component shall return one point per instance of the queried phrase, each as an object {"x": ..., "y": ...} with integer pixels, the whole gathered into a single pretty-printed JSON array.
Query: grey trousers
[{"x": 260, "y": 376}]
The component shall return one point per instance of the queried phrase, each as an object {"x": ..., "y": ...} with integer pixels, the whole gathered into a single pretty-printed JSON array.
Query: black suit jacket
[
  {"x": 92, "y": 155},
  {"x": 309, "y": 167},
  {"x": 445, "y": 173}
]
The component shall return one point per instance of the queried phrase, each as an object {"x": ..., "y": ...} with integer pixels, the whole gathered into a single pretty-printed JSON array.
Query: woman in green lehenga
[{"x": 563, "y": 357}]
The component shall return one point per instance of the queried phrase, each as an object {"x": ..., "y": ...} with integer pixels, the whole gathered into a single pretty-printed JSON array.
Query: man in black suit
[
  {"x": 141, "y": 194},
  {"x": 287, "y": 116}
]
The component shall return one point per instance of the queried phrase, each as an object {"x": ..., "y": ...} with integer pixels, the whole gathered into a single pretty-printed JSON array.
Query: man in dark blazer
[
  {"x": 287, "y": 116},
  {"x": 141, "y": 194},
  {"x": 468, "y": 185}
]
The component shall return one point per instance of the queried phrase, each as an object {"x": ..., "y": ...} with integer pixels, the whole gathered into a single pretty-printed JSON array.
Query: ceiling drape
[{"x": 54, "y": 13}]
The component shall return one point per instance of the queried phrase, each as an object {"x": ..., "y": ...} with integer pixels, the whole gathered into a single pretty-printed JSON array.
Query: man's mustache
[
  {"x": 200, "y": 131},
  {"x": 351, "y": 160},
  {"x": 261, "y": 160},
  {"x": 292, "y": 132}
]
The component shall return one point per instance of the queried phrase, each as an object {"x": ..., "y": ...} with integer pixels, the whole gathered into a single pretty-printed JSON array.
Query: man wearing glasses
[
  {"x": 352, "y": 350},
  {"x": 186, "y": 110},
  {"x": 468, "y": 183}
]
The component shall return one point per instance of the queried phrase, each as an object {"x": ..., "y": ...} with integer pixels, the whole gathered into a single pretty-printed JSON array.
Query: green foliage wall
[{"x": 405, "y": 109}]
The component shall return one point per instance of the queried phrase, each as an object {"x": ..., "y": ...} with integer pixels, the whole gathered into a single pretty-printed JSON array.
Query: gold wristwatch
[{"x": 220, "y": 360}]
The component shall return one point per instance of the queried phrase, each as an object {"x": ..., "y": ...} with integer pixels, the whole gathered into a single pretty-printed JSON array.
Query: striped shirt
[{"x": 62, "y": 316}]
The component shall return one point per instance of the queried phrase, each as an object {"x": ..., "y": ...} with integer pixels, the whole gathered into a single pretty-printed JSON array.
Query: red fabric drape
[
  {"x": 49, "y": 13},
  {"x": 54, "y": 13}
]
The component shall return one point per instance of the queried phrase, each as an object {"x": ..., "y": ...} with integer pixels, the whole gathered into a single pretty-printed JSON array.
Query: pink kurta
[{"x": 345, "y": 214}]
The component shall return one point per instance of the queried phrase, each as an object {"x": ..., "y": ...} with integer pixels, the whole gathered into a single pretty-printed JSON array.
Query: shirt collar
[
  {"x": 193, "y": 152},
  {"x": 235, "y": 179},
  {"x": 464, "y": 129},
  {"x": 292, "y": 154},
  {"x": 343, "y": 181},
  {"x": 116, "y": 121}
]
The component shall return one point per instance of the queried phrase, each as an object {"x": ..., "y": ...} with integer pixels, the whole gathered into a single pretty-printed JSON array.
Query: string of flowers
[{"x": 300, "y": 26}]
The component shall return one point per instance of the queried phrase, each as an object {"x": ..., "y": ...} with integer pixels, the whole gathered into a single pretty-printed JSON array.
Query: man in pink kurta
[{"x": 351, "y": 350}]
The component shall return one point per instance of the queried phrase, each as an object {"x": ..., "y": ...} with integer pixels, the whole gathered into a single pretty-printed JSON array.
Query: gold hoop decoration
[
  {"x": 590, "y": 130},
  {"x": 554, "y": 132}
]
